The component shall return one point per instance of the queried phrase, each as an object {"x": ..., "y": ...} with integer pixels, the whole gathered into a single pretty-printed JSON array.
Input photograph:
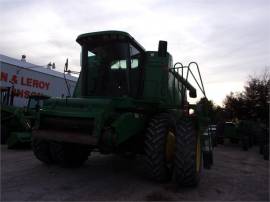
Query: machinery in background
[{"x": 17, "y": 122}]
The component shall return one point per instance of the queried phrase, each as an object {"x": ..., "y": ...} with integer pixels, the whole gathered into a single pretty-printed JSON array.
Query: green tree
[{"x": 253, "y": 102}]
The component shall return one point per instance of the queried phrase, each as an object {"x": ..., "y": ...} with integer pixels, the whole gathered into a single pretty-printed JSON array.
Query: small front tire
[
  {"x": 41, "y": 149},
  {"x": 69, "y": 154}
]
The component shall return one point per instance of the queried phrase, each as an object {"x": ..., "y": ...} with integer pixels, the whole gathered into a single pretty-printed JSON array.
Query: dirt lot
[{"x": 236, "y": 175}]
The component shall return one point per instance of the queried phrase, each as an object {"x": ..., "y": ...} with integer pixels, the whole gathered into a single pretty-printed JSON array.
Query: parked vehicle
[
  {"x": 127, "y": 100},
  {"x": 17, "y": 122}
]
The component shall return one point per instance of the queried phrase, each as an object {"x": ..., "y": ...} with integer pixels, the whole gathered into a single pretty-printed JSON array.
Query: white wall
[{"x": 28, "y": 81}]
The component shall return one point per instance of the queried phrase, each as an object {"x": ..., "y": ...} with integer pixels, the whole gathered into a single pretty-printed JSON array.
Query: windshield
[{"x": 107, "y": 69}]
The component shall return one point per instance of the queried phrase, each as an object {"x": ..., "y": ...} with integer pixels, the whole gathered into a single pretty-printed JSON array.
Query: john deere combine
[
  {"x": 127, "y": 100},
  {"x": 17, "y": 122}
]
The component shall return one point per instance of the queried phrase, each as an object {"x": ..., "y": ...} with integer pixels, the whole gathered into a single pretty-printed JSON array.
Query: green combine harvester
[
  {"x": 17, "y": 122},
  {"x": 127, "y": 101},
  {"x": 241, "y": 132}
]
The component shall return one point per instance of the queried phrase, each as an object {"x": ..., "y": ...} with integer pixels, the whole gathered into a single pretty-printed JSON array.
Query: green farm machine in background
[
  {"x": 246, "y": 133},
  {"x": 17, "y": 122},
  {"x": 15, "y": 127},
  {"x": 127, "y": 101},
  {"x": 238, "y": 133}
]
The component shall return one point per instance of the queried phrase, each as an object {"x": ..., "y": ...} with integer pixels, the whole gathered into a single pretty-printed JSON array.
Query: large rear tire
[
  {"x": 188, "y": 155},
  {"x": 158, "y": 155},
  {"x": 41, "y": 149},
  {"x": 68, "y": 154}
]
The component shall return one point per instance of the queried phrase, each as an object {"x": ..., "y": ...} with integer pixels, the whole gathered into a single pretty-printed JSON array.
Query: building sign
[
  {"x": 24, "y": 81},
  {"x": 30, "y": 82}
]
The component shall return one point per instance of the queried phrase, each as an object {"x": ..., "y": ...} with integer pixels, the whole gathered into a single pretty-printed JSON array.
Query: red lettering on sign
[
  {"x": 14, "y": 79},
  {"x": 41, "y": 84},
  {"x": 22, "y": 81},
  {"x": 47, "y": 85},
  {"x": 19, "y": 92},
  {"x": 26, "y": 94},
  {"x": 35, "y": 83},
  {"x": 4, "y": 76},
  {"x": 29, "y": 82}
]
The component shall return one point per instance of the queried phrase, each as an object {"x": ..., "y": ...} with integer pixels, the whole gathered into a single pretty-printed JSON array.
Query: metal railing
[{"x": 181, "y": 70}]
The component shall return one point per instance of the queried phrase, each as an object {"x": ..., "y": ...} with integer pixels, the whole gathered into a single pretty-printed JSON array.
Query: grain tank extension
[{"x": 129, "y": 101}]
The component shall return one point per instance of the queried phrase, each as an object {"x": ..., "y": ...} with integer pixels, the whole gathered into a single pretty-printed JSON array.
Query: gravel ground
[{"x": 236, "y": 175}]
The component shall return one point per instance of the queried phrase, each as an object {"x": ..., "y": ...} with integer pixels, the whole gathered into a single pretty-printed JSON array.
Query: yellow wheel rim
[
  {"x": 170, "y": 146},
  {"x": 198, "y": 155}
]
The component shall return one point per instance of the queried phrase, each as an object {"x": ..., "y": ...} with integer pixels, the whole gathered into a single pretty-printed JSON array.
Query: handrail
[
  {"x": 179, "y": 66},
  {"x": 203, "y": 90}
]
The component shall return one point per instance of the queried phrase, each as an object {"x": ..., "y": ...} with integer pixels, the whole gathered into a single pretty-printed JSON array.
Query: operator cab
[{"x": 111, "y": 65}]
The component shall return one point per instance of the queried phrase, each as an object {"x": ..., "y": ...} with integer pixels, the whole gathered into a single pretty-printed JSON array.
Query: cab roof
[{"x": 95, "y": 38}]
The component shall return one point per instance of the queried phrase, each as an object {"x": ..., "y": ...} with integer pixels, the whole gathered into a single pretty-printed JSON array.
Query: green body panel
[
  {"x": 128, "y": 125},
  {"x": 95, "y": 109},
  {"x": 99, "y": 111},
  {"x": 155, "y": 77},
  {"x": 75, "y": 107},
  {"x": 159, "y": 84}
]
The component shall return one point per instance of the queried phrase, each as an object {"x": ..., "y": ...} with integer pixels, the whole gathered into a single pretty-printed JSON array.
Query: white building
[{"x": 29, "y": 79}]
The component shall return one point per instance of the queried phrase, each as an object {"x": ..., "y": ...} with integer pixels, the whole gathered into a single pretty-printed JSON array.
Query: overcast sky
[{"x": 230, "y": 39}]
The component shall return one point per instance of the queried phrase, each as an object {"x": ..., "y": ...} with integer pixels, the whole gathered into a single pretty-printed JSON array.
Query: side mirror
[
  {"x": 162, "y": 48},
  {"x": 192, "y": 93}
]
